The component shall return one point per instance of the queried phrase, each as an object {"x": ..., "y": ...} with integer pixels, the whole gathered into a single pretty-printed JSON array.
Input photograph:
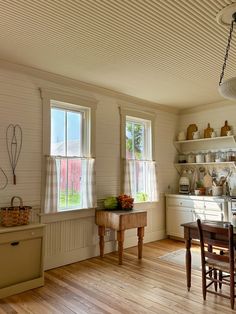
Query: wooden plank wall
[{"x": 76, "y": 239}]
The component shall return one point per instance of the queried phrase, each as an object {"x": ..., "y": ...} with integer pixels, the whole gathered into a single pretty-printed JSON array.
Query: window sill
[
  {"x": 145, "y": 202},
  {"x": 67, "y": 215}
]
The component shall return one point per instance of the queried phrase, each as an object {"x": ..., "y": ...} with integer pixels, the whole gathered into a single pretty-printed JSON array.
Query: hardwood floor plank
[
  {"x": 101, "y": 286},
  {"x": 6, "y": 308}
]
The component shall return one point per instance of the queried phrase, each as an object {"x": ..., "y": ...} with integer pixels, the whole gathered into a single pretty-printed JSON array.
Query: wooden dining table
[{"x": 191, "y": 233}]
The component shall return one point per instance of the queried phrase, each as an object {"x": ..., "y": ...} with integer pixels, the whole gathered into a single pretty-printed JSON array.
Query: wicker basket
[{"x": 15, "y": 215}]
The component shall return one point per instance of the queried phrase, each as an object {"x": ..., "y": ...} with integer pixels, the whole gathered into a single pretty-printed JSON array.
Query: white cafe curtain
[
  {"x": 141, "y": 176},
  {"x": 51, "y": 187},
  {"x": 88, "y": 183},
  {"x": 88, "y": 197}
]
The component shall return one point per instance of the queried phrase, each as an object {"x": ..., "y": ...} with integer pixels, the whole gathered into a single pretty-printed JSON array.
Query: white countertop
[{"x": 222, "y": 198}]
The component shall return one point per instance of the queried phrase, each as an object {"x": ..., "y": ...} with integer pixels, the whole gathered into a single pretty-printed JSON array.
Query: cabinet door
[
  {"x": 175, "y": 217},
  {"x": 20, "y": 261}
]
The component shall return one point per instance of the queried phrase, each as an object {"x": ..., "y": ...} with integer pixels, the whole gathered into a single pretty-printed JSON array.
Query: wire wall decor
[{"x": 14, "y": 145}]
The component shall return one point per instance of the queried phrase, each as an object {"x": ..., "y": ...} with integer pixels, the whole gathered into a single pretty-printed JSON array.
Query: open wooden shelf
[
  {"x": 186, "y": 164},
  {"x": 206, "y": 144}
]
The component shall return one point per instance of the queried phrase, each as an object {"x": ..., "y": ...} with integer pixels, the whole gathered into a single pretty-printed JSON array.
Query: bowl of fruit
[{"x": 125, "y": 202}]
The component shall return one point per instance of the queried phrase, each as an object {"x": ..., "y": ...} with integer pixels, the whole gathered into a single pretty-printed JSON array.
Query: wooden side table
[{"x": 120, "y": 221}]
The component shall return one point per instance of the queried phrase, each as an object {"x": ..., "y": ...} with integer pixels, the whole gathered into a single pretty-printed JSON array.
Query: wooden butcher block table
[{"x": 120, "y": 221}]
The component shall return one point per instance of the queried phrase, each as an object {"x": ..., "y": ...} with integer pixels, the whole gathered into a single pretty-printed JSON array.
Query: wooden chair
[{"x": 217, "y": 268}]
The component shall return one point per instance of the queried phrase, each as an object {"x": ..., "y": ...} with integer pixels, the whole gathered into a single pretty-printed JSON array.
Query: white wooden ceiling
[{"x": 166, "y": 51}]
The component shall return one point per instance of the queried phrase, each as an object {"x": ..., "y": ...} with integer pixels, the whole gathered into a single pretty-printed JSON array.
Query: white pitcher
[{"x": 196, "y": 135}]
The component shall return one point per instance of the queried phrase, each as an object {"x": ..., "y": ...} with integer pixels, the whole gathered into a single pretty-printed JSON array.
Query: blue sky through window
[{"x": 58, "y": 124}]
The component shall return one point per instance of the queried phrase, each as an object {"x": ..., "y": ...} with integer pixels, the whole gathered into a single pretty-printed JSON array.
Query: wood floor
[{"x": 101, "y": 286}]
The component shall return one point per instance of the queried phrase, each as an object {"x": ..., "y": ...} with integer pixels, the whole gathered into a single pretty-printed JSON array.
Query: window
[
  {"x": 138, "y": 139},
  {"x": 68, "y": 143},
  {"x": 69, "y": 180},
  {"x": 140, "y": 179}
]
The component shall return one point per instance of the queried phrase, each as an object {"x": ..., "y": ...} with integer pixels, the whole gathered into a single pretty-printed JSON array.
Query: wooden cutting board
[
  {"x": 224, "y": 129},
  {"x": 207, "y": 181},
  {"x": 208, "y": 131},
  {"x": 191, "y": 128}
]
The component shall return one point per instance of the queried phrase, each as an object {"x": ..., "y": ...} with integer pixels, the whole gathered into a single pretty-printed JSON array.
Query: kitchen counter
[
  {"x": 182, "y": 208},
  {"x": 200, "y": 197}
]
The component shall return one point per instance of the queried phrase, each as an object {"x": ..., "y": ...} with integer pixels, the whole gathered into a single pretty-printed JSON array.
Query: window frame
[
  {"x": 147, "y": 135},
  {"x": 136, "y": 114},
  {"x": 85, "y": 126},
  {"x": 126, "y": 111},
  {"x": 78, "y": 102}
]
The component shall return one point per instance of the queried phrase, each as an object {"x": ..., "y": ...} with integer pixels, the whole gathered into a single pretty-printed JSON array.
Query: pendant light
[{"x": 227, "y": 88}]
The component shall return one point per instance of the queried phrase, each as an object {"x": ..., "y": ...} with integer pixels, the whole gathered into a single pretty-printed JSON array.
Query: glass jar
[
  {"x": 233, "y": 156},
  {"x": 200, "y": 158},
  {"x": 218, "y": 157},
  {"x": 229, "y": 155},
  {"x": 223, "y": 156},
  {"x": 191, "y": 158},
  {"x": 209, "y": 157},
  {"x": 182, "y": 159}
]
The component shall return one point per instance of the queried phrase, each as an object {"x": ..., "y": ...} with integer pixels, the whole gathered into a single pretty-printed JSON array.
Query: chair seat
[{"x": 219, "y": 265}]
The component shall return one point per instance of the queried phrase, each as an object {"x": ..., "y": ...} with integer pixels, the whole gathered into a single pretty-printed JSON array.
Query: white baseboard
[{"x": 76, "y": 255}]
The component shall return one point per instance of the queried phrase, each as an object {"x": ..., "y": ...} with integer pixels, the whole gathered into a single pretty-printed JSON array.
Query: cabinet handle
[{"x": 15, "y": 243}]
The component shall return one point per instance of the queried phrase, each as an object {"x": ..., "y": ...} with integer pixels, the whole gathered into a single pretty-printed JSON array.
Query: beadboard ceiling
[{"x": 165, "y": 51}]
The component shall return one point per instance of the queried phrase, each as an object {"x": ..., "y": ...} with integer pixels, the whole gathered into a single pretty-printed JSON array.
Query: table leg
[
  {"x": 120, "y": 239},
  {"x": 101, "y": 233},
  {"x": 188, "y": 262},
  {"x": 140, "y": 234}
]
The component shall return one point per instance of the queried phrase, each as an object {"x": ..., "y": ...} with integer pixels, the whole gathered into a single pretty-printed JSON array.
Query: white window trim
[
  {"x": 76, "y": 100},
  {"x": 125, "y": 112}
]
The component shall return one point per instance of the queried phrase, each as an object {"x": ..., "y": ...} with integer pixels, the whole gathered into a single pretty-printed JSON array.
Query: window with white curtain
[
  {"x": 70, "y": 145},
  {"x": 140, "y": 179},
  {"x": 69, "y": 182}
]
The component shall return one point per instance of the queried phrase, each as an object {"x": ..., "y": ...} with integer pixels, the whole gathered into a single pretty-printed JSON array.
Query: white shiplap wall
[
  {"x": 20, "y": 103},
  {"x": 72, "y": 240},
  {"x": 213, "y": 114}
]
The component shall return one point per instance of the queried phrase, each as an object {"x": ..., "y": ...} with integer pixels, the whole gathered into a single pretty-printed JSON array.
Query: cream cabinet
[
  {"x": 21, "y": 258},
  {"x": 186, "y": 208}
]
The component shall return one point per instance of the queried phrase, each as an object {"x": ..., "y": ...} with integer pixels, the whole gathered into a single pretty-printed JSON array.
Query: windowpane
[
  {"x": 74, "y": 179},
  {"x": 70, "y": 188},
  {"x": 135, "y": 146},
  {"x": 74, "y": 120},
  {"x": 58, "y": 132},
  {"x": 63, "y": 184},
  {"x": 139, "y": 141}
]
